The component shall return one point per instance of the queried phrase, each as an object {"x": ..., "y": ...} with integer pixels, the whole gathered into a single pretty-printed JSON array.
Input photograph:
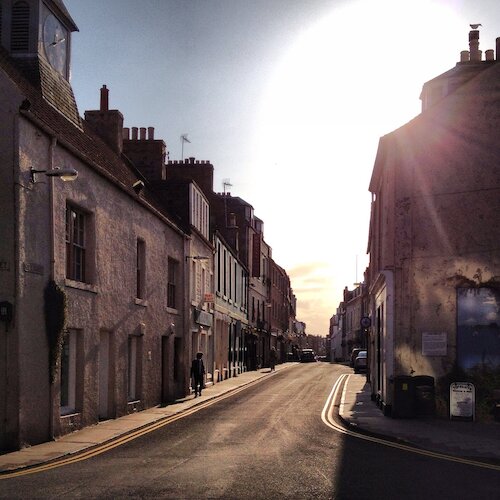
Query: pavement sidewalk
[
  {"x": 473, "y": 440},
  {"x": 108, "y": 430}
]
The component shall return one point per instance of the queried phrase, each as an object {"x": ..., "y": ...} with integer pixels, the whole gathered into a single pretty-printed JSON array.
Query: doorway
[{"x": 104, "y": 375}]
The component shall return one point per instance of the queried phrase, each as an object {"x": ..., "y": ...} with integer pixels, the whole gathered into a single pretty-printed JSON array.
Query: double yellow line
[
  {"x": 114, "y": 443},
  {"x": 327, "y": 417}
]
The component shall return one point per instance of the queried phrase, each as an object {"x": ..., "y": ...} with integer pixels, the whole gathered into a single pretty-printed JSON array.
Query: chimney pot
[
  {"x": 490, "y": 55},
  {"x": 104, "y": 98},
  {"x": 498, "y": 48},
  {"x": 191, "y": 159},
  {"x": 134, "y": 133},
  {"x": 143, "y": 133},
  {"x": 464, "y": 56},
  {"x": 151, "y": 133},
  {"x": 126, "y": 133}
]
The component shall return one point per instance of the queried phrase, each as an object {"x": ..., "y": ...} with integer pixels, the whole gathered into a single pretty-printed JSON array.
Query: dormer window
[{"x": 19, "y": 35}]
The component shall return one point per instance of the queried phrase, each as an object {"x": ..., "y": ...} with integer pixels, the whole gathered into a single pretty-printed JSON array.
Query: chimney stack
[
  {"x": 146, "y": 153},
  {"x": 107, "y": 123},
  {"x": 498, "y": 48},
  {"x": 475, "y": 53},
  {"x": 104, "y": 98}
]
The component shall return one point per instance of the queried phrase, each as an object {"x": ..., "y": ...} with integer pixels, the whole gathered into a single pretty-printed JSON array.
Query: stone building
[
  {"x": 259, "y": 298},
  {"x": 96, "y": 312},
  {"x": 107, "y": 285},
  {"x": 282, "y": 313},
  {"x": 434, "y": 243},
  {"x": 355, "y": 305},
  {"x": 231, "y": 310}
]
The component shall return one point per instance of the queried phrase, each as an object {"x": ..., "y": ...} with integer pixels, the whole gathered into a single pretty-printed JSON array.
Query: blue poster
[{"x": 478, "y": 333}]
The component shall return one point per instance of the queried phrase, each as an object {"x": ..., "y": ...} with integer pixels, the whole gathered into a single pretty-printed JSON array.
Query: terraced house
[{"x": 107, "y": 282}]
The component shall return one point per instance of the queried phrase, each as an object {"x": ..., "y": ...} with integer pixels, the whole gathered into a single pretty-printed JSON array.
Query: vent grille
[{"x": 19, "y": 40}]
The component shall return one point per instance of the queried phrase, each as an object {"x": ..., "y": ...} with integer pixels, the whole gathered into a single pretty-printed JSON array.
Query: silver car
[{"x": 360, "y": 363}]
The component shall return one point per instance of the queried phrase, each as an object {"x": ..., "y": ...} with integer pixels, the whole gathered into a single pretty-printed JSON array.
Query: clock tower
[{"x": 37, "y": 36}]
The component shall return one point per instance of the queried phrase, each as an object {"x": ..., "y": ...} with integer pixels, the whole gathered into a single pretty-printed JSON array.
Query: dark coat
[{"x": 197, "y": 369}]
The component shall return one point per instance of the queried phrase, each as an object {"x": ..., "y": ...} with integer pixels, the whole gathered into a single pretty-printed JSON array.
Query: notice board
[{"x": 462, "y": 401}]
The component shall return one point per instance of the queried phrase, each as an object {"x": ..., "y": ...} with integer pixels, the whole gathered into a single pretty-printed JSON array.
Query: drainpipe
[
  {"x": 10, "y": 375},
  {"x": 52, "y": 145},
  {"x": 187, "y": 333}
]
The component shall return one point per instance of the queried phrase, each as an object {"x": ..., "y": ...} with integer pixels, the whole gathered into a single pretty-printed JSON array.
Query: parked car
[
  {"x": 360, "y": 362},
  {"x": 307, "y": 355},
  {"x": 354, "y": 354}
]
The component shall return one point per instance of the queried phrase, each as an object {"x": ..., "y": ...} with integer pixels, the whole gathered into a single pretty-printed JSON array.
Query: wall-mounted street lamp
[{"x": 65, "y": 174}]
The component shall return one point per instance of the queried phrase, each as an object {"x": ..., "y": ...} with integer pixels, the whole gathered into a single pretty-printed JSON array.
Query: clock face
[{"x": 55, "y": 41}]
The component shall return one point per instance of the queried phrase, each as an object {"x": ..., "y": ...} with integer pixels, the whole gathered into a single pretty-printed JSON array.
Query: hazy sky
[{"x": 287, "y": 99}]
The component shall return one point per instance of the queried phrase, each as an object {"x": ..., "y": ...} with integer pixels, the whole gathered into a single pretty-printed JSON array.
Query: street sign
[
  {"x": 462, "y": 401},
  {"x": 365, "y": 322}
]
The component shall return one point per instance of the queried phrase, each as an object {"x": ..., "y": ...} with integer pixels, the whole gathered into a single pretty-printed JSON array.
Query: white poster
[
  {"x": 434, "y": 344},
  {"x": 462, "y": 400}
]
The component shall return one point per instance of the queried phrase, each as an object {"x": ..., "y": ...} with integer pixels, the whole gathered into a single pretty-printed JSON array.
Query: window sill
[
  {"x": 79, "y": 285},
  {"x": 141, "y": 302},
  {"x": 69, "y": 413},
  {"x": 172, "y": 310}
]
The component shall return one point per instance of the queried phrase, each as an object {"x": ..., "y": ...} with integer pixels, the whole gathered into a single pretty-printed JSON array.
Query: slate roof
[
  {"x": 55, "y": 88},
  {"x": 81, "y": 141}
]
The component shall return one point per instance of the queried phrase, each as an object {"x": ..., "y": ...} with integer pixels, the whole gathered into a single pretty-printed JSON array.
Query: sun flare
[{"x": 346, "y": 81}]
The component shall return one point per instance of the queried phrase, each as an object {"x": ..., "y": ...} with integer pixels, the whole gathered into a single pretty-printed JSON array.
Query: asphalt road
[{"x": 265, "y": 442}]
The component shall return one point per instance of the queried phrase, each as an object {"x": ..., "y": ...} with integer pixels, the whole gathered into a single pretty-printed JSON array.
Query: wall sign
[
  {"x": 462, "y": 401},
  {"x": 434, "y": 344},
  {"x": 203, "y": 318}
]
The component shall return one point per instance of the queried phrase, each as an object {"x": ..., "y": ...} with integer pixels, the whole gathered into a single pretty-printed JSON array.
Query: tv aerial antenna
[
  {"x": 226, "y": 183},
  {"x": 184, "y": 138}
]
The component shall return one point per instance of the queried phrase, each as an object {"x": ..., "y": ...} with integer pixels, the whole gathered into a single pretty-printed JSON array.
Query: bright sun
[{"x": 351, "y": 78}]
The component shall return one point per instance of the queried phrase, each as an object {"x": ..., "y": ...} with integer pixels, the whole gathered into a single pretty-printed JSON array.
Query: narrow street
[{"x": 267, "y": 441}]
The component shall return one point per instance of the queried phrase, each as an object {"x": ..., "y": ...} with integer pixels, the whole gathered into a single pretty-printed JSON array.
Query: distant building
[
  {"x": 355, "y": 307},
  {"x": 335, "y": 332}
]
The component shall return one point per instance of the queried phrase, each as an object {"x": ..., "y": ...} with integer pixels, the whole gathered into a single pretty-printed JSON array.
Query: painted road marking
[
  {"x": 327, "y": 417},
  {"x": 114, "y": 443}
]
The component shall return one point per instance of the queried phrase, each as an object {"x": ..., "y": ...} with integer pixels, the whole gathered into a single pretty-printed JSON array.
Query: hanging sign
[{"x": 462, "y": 401}]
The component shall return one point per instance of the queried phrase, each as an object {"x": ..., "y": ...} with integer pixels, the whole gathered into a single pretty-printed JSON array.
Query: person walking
[
  {"x": 273, "y": 357},
  {"x": 198, "y": 374}
]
